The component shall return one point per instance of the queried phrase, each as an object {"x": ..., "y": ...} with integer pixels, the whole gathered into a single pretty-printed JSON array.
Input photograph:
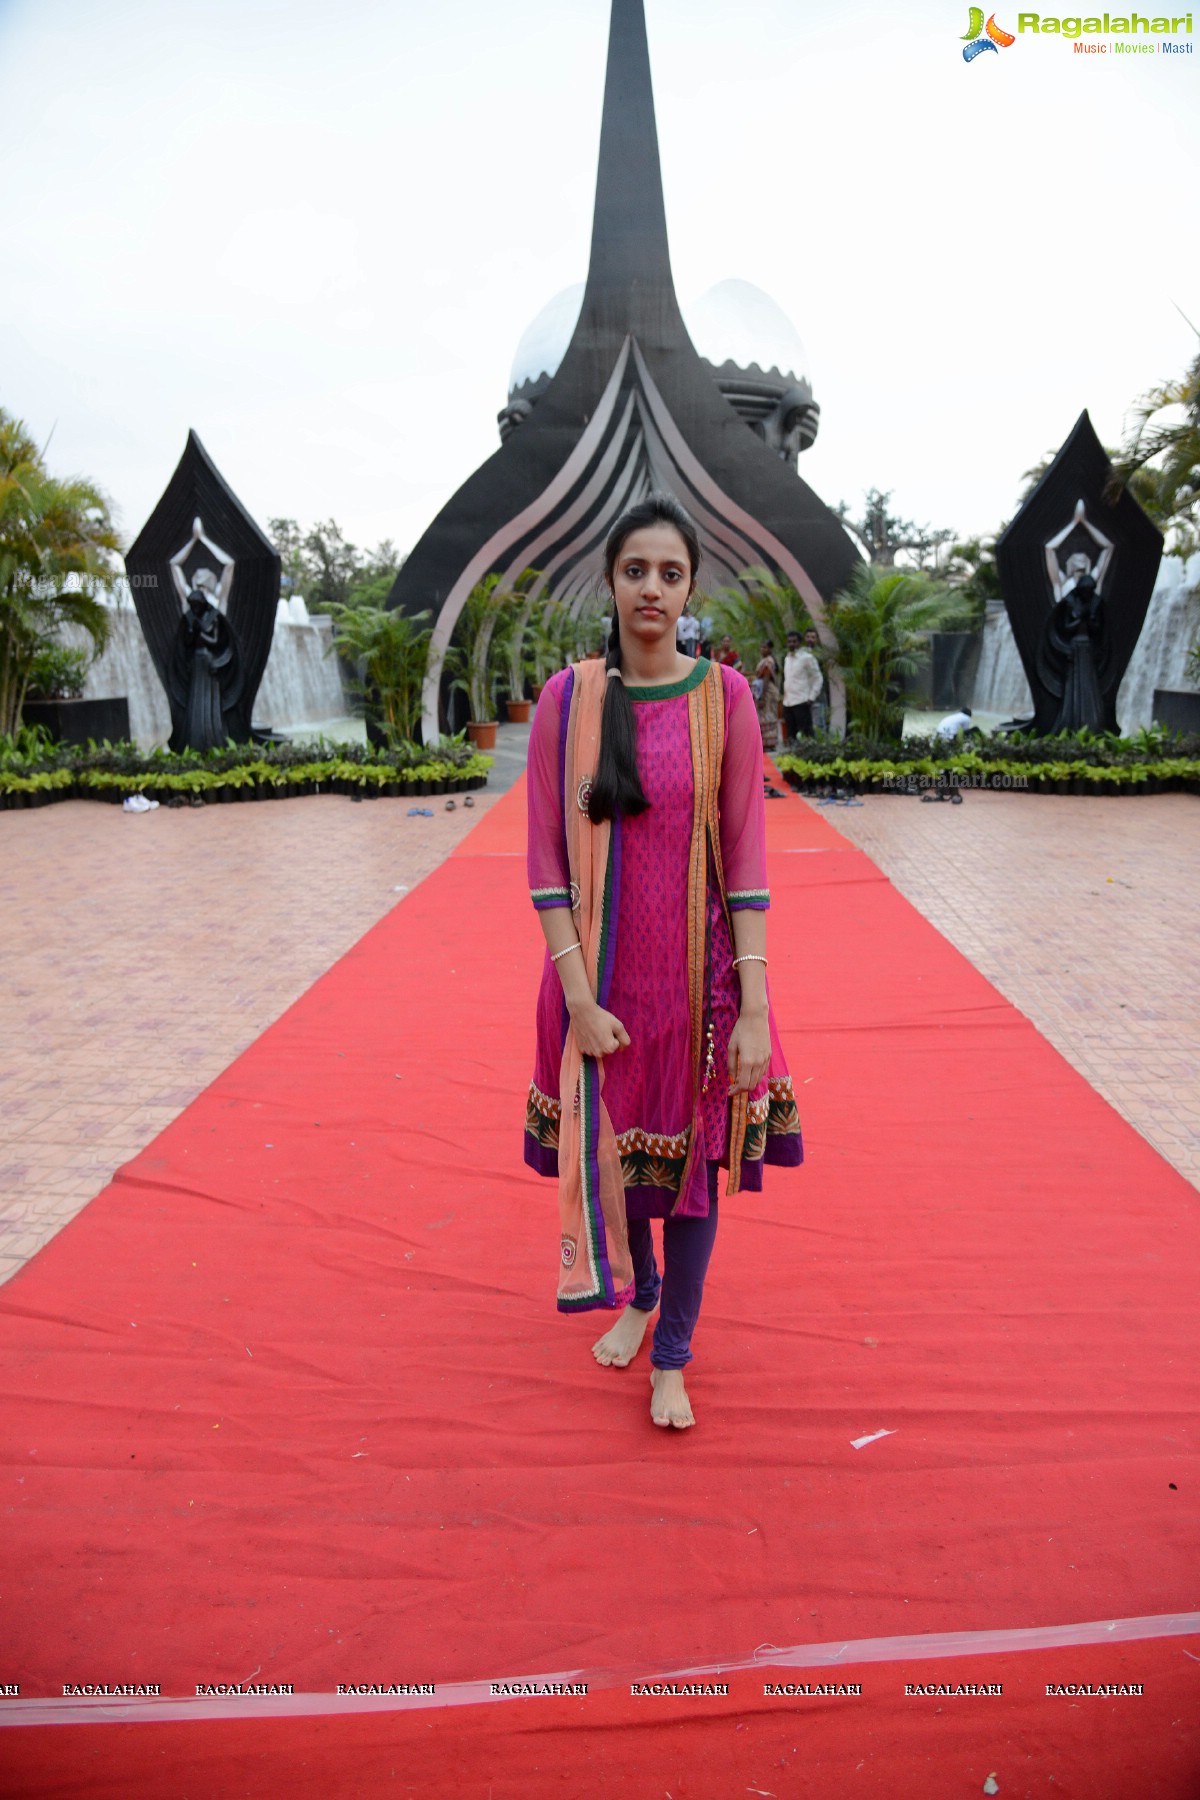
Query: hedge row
[
  {"x": 1151, "y": 775},
  {"x": 249, "y": 780}
]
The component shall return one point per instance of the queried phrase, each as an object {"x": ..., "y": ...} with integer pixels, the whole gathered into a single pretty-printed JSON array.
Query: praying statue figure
[
  {"x": 206, "y": 671},
  {"x": 1074, "y": 650}
]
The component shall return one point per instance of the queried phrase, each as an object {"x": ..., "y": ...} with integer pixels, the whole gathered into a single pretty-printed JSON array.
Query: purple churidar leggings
[{"x": 687, "y": 1246}]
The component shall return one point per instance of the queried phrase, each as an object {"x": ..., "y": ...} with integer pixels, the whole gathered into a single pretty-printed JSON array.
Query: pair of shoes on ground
[{"x": 138, "y": 803}]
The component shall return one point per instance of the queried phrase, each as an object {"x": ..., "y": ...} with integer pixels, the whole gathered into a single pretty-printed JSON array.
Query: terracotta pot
[
  {"x": 518, "y": 711},
  {"x": 482, "y": 735}
]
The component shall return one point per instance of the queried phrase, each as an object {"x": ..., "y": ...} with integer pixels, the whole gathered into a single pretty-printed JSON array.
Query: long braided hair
[{"x": 617, "y": 783}]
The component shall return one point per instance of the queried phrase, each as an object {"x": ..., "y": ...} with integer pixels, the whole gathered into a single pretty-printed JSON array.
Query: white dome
[
  {"x": 733, "y": 322},
  {"x": 544, "y": 342},
  {"x": 736, "y": 322}
]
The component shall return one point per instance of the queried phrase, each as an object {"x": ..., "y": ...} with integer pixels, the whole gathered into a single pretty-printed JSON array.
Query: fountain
[
  {"x": 1158, "y": 662},
  {"x": 301, "y": 690}
]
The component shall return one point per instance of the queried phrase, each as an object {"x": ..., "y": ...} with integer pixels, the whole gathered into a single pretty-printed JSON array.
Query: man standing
[
  {"x": 687, "y": 634},
  {"x": 802, "y": 680}
]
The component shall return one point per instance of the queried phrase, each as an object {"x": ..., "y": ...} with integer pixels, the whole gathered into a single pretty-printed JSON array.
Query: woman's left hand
[{"x": 749, "y": 1052}]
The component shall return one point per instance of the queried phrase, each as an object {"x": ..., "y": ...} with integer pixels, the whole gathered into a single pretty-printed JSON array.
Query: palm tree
[
  {"x": 388, "y": 651},
  {"x": 474, "y": 631},
  {"x": 878, "y": 620},
  {"x": 760, "y": 607},
  {"x": 1170, "y": 491},
  {"x": 552, "y": 640},
  {"x": 511, "y": 642},
  {"x": 49, "y": 530}
]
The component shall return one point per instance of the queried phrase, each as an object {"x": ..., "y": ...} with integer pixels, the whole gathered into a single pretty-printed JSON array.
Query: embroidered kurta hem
[{"x": 650, "y": 1087}]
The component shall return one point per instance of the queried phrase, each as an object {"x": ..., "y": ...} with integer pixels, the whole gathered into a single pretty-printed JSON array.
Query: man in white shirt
[
  {"x": 687, "y": 634},
  {"x": 955, "y": 722},
  {"x": 802, "y": 681}
]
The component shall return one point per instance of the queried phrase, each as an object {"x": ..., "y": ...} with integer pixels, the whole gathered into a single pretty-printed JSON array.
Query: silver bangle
[
  {"x": 566, "y": 952},
  {"x": 749, "y": 957}
]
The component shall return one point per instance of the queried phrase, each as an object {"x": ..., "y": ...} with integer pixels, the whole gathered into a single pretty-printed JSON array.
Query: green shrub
[{"x": 29, "y": 764}]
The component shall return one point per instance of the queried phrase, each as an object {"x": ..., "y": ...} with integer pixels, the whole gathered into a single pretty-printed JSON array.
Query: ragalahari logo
[{"x": 975, "y": 43}]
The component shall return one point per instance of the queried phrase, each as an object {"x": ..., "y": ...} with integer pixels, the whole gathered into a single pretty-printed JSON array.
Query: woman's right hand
[{"x": 598, "y": 1033}]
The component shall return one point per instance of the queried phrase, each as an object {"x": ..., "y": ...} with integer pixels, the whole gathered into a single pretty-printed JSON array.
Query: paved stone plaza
[{"x": 144, "y": 952}]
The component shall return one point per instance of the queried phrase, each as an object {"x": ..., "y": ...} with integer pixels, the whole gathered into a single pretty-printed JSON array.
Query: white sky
[{"x": 315, "y": 233}]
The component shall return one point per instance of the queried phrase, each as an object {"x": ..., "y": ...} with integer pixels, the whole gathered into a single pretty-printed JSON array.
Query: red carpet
[{"x": 290, "y": 1402}]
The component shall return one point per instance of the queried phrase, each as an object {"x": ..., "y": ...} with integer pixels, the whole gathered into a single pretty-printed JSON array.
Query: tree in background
[
  {"x": 761, "y": 607},
  {"x": 1160, "y": 463},
  {"x": 387, "y": 650},
  {"x": 882, "y": 535},
  {"x": 879, "y": 620},
  {"x": 512, "y": 644},
  {"x": 49, "y": 530},
  {"x": 323, "y": 567},
  {"x": 970, "y": 572},
  {"x": 469, "y": 655}
]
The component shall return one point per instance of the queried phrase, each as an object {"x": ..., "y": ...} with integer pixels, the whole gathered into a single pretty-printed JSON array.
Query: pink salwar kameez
[{"x": 648, "y": 1086}]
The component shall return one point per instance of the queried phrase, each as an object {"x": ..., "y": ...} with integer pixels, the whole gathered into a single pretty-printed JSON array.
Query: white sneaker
[{"x": 138, "y": 803}]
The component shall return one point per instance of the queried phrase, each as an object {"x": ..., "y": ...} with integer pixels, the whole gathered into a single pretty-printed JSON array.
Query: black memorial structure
[
  {"x": 1077, "y": 569},
  {"x": 630, "y": 408},
  {"x": 205, "y": 583}
]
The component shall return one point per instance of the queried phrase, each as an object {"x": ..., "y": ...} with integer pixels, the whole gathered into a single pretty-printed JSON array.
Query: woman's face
[{"x": 652, "y": 578}]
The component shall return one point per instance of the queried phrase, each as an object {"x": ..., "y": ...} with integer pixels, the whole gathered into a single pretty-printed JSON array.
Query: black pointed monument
[
  {"x": 1078, "y": 526},
  {"x": 631, "y": 408},
  {"x": 204, "y": 576}
]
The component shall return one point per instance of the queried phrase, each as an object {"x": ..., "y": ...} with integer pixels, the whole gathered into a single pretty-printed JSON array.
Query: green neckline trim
[{"x": 667, "y": 690}]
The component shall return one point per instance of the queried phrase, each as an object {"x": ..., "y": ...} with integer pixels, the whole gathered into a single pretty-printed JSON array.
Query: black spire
[
  {"x": 629, "y": 274},
  {"x": 630, "y": 407}
]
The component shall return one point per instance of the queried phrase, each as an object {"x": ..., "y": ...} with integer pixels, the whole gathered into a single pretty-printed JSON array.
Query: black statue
[
  {"x": 205, "y": 681},
  {"x": 205, "y": 582},
  {"x": 1077, "y": 568},
  {"x": 1071, "y": 655},
  {"x": 1075, "y": 648},
  {"x": 630, "y": 407}
]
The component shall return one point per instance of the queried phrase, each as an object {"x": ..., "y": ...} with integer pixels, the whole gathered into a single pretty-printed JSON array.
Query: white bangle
[
  {"x": 749, "y": 957},
  {"x": 566, "y": 952}
]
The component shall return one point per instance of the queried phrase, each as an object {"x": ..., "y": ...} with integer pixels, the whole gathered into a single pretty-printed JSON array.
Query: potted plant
[
  {"x": 548, "y": 642},
  {"x": 512, "y": 642},
  {"x": 559, "y": 637},
  {"x": 474, "y": 631},
  {"x": 54, "y": 698}
]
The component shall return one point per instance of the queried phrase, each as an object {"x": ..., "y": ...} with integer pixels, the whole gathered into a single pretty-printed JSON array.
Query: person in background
[
  {"x": 956, "y": 722},
  {"x": 802, "y": 682},
  {"x": 727, "y": 654},
  {"x": 687, "y": 634},
  {"x": 766, "y": 696}
]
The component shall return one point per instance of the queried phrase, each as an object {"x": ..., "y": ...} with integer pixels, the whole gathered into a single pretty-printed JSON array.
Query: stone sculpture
[
  {"x": 205, "y": 582},
  {"x": 1077, "y": 567}
]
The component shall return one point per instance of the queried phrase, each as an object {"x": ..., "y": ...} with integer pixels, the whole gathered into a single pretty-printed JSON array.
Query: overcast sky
[{"x": 315, "y": 233}]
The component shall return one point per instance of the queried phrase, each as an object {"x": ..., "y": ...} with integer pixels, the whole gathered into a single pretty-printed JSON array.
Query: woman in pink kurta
[{"x": 649, "y": 1087}]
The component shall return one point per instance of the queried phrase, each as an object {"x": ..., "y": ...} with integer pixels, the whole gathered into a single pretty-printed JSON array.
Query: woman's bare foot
[
  {"x": 622, "y": 1341},
  {"x": 669, "y": 1404}
]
